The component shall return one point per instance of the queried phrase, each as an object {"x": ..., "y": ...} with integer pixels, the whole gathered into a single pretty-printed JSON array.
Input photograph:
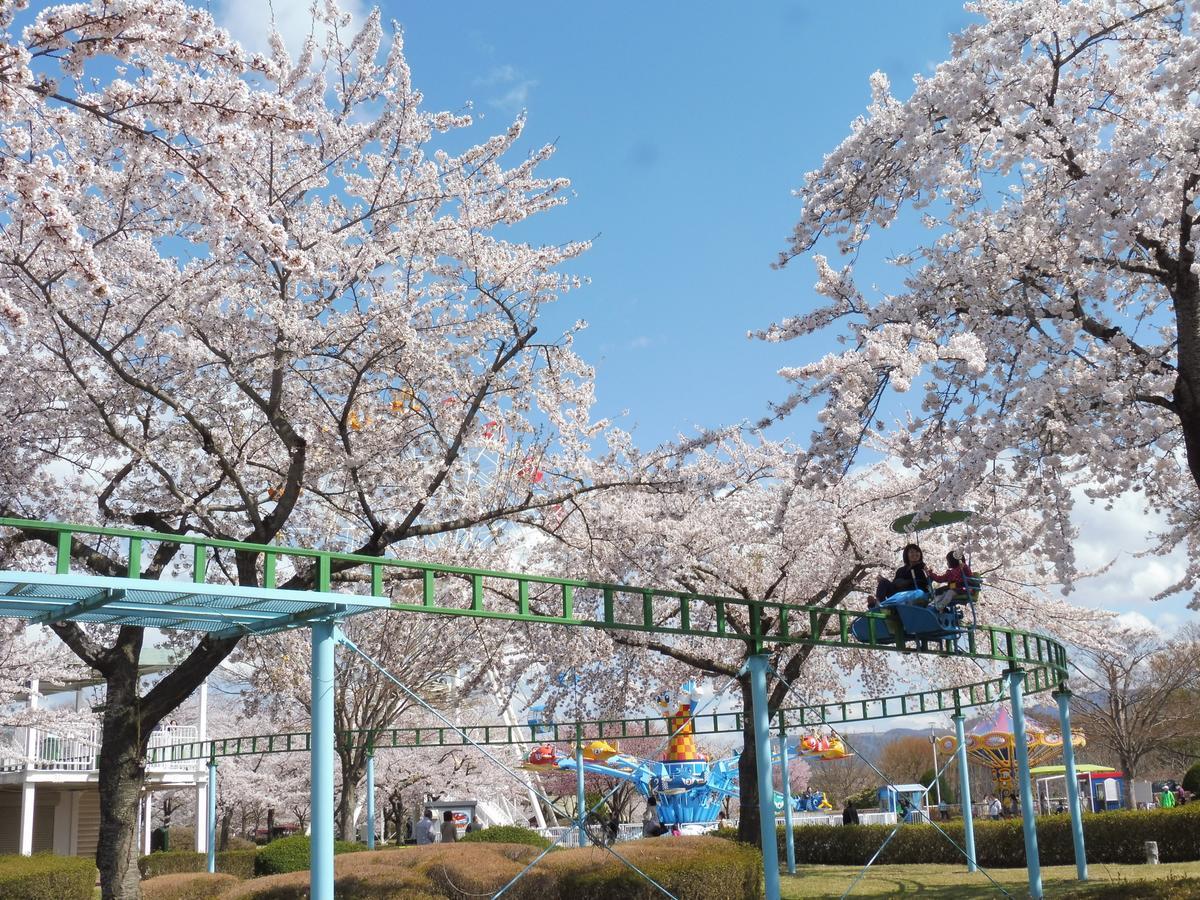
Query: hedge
[
  {"x": 239, "y": 863},
  {"x": 187, "y": 886},
  {"x": 45, "y": 876},
  {"x": 291, "y": 854},
  {"x": 1110, "y": 837},
  {"x": 183, "y": 837},
  {"x": 506, "y": 834}
]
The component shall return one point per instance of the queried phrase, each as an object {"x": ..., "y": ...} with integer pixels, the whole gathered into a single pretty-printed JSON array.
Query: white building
[{"x": 49, "y": 795}]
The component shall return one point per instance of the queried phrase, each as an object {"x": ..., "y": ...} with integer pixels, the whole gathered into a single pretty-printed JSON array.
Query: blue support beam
[
  {"x": 211, "y": 824},
  {"x": 371, "y": 801},
  {"x": 1063, "y": 696},
  {"x": 758, "y": 664},
  {"x": 91, "y": 604},
  {"x": 790, "y": 836},
  {"x": 321, "y": 872},
  {"x": 580, "y": 797},
  {"x": 964, "y": 790},
  {"x": 1016, "y": 689}
]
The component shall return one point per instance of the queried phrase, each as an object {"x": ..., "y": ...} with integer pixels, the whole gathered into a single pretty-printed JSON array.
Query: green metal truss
[
  {"x": 199, "y": 596},
  {"x": 953, "y": 699}
]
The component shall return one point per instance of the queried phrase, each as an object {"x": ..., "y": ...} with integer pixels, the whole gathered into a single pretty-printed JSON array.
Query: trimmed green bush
[
  {"x": 187, "y": 886},
  {"x": 507, "y": 834},
  {"x": 183, "y": 837},
  {"x": 1191, "y": 780},
  {"x": 239, "y": 863},
  {"x": 1110, "y": 837},
  {"x": 45, "y": 876},
  {"x": 291, "y": 854}
]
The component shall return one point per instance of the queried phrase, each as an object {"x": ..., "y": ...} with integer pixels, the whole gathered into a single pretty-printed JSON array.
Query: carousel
[{"x": 990, "y": 745}]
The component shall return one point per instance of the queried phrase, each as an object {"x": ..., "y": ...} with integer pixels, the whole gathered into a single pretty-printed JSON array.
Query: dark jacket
[
  {"x": 849, "y": 816},
  {"x": 912, "y": 578}
]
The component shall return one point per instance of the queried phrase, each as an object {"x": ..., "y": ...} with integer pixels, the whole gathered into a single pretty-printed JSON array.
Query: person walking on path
[
  {"x": 449, "y": 829},
  {"x": 425, "y": 828}
]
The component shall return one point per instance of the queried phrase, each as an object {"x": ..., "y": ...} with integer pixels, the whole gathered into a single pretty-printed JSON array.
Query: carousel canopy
[{"x": 991, "y": 744}]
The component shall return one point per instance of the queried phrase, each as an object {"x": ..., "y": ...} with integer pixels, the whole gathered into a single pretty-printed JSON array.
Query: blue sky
[{"x": 683, "y": 131}]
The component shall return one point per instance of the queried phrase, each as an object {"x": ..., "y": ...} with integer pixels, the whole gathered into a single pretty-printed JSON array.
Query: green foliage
[
  {"x": 291, "y": 854},
  {"x": 187, "y": 886},
  {"x": 865, "y": 799},
  {"x": 183, "y": 837},
  {"x": 507, "y": 834},
  {"x": 239, "y": 863},
  {"x": 1110, "y": 837},
  {"x": 927, "y": 780},
  {"x": 1191, "y": 780},
  {"x": 45, "y": 876}
]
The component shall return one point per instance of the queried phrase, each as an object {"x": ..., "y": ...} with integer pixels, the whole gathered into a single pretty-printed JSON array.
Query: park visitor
[
  {"x": 955, "y": 578},
  {"x": 425, "y": 828},
  {"x": 449, "y": 829},
  {"x": 849, "y": 814}
]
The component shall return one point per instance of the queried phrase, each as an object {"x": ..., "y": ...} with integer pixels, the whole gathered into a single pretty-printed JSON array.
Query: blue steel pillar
[
  {"x": 212, "y": 815},
  {"x": 371, "y": 801},
  {"x": 1016, "y": 690},
  {"x": 787, "y": 796},
  {"x": 1063, "y": 696},
  {"x": 758, "y": 665},
  {"x": 580, "y": 798},
  {"x": 321, "y": 871},
  {"x": 964, "y": 791}
]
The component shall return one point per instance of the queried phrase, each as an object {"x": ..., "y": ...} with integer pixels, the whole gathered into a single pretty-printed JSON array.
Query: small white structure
[{"x": 49, "y": 795}]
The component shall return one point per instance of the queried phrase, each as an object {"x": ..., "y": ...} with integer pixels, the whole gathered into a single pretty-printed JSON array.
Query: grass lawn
[{"x": 943, "y": 882}]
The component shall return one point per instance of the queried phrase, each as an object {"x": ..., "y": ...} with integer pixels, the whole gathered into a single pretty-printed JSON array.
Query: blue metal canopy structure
[{"x": 218, "y": 609}]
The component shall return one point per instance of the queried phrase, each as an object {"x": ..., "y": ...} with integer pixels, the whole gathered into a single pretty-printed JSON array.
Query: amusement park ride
[
  {"x": 686, "y": 785},
  {"x": 910, "y": 613}
]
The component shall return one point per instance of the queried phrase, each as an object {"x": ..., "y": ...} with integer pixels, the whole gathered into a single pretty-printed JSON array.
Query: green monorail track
[{"x": 298, "y": 586}]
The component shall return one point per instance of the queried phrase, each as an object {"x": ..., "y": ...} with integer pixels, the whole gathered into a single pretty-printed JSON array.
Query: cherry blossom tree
[
  {"x": 748, "y": 525},
  {"x": 1050, "y": 319},
  {"x": 249, "y": 296}
]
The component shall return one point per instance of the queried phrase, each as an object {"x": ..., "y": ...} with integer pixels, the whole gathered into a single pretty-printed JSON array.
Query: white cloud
[
  {"x": 514, "y": 88},
  {"x": 1115, "y": 538},
  {"x": 250, "y": 22}
]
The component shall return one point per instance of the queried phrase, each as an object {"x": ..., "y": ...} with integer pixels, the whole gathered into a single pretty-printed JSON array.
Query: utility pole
[{"x": 937, "y": 781}]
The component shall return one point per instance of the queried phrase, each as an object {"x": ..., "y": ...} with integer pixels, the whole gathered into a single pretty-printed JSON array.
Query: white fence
[
  {"x": 58, "y": 753},
  {"x": 570, "y": 834}
]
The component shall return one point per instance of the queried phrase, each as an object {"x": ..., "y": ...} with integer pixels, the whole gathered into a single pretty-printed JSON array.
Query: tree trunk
[
  {"x": 122, "y": 774},
  {"x": 748, "y": 818},
  {"x": 1129, "y": 767},
  {"x": 226, "y": 824},
  {"x": 353, "y": 771}
]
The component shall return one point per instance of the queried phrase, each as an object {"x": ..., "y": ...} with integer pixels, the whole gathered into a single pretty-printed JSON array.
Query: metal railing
[{"x": 64, "y": 753}]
